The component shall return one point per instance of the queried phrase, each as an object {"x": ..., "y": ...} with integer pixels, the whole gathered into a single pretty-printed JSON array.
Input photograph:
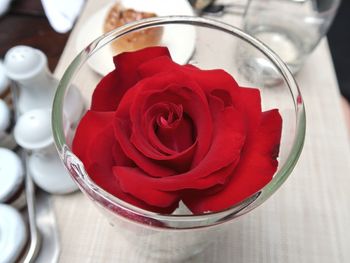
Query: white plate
[{"x": 179, "y": 40}]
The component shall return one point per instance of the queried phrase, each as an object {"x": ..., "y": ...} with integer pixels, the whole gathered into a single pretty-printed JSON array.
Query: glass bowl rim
[{"x": 220, "y": 216}]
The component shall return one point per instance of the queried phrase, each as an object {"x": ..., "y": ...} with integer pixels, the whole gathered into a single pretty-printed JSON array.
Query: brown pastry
[{"x": 118, "y": 16}]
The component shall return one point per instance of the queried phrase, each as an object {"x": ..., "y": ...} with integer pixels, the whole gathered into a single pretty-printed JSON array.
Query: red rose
[{"x": 159, "y": 132}]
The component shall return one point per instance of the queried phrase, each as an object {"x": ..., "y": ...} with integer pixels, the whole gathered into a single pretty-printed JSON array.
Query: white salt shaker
[
  {"x": 33, "y": 132},
  {"x": 11, "y": 179},
  {"x": 27, "y": 67},
  {"x": 14, "y": 234}
]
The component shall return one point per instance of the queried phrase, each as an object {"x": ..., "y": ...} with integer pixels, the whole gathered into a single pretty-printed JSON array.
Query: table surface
[{"x": 307, "y": 220}]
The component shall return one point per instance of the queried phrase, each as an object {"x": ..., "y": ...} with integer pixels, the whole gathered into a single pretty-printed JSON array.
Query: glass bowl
[{"x": 208, "y": 44}]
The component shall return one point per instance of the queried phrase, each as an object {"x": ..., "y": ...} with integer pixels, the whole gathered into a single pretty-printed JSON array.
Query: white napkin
[
  {"x": 62, "y": 13},
  {"x": 4, "y": 6}
]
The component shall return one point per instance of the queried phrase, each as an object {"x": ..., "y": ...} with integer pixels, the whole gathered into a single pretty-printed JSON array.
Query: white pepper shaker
[
  {"x": 27, "y": 67},
  {"x": 33, "y": 132}
]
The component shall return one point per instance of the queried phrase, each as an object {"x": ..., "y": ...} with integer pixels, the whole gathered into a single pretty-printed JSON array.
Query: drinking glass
[
  {"x": 291, "y": 28},
  {"x": 181, "y": 235}
]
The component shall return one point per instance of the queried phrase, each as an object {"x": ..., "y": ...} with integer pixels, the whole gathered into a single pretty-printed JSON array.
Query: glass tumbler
[
  {"x": 291, "y": 28},
  {"x": 178, "y": 236}
]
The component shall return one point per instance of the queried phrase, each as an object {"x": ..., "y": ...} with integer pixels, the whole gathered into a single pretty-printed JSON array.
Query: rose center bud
[
  {"x": 168, "y": 120},
  {"x": 174, "y": 128}
]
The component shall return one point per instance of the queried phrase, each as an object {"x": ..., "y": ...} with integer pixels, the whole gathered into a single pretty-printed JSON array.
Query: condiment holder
[
  {"x": 33, "y": 133},
  {"x": 26, "y": 74},
  {"x": 14, "y": 234},
  {"x": 11, "y": 179},
  {"x": 27, "y": 68}
]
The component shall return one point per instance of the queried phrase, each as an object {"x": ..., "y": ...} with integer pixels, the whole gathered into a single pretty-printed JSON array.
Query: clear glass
[
  {"x": 181, "y": 234},
  {"x": 292, "y": 28}
]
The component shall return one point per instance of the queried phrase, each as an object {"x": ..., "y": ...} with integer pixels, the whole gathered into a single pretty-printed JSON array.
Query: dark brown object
[{"x": 26, "y": 24}]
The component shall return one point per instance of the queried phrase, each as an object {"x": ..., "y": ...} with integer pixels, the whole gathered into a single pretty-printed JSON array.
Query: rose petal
[
  {"x": 159, "y": 141},
  {"x": 213, "y": 82},
  {"x": 107, "y": 93},
  {"x": 208, "y": 80},
  {"x": 105, "y": 179},
  {"x": 99, "y": 159},
  {"x": 178, "y": 137},
  {"x": 212, "y": 183},
  {"x": 122, "y": 133},
  {"x": 119, "y": 156},
  {"x": 250, "y": 103},
  {"x": 158, "y": 65},
  {"x": 100, "y": 149},
  {"x": 216, "y": 79},
  {"x": 126, "y": 63},
  {"x": 131, "y": 184},
  {"x": 256, "y": 168},
  {"x": 153, "y": 138},
  {"x": 178, "y": 161},
  {"x": 88, "y": 129},
  {"x": 112, "y": 87}
]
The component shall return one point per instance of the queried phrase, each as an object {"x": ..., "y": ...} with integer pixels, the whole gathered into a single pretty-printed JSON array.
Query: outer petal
[
  {"x": 127, "y": 62},
  {"x": 208, "y": 80},
  {"x": 105, "y": 179},
  {"x": 90, "y": 126},
  {"x": 119, "y": 156},
  {"x": 249, "y": 103},
  {"x": 95, "y": 133},
  {"x": 100, "y": 149},
  {"x": 112, "y": 87},
  {"x": 139, "y": 190},
  {"x": 256, "y": 168},
  {"x": 122, "y": 132},
  {"x": 135, "y": 182},
  {"x": 107, "y": 93}
]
